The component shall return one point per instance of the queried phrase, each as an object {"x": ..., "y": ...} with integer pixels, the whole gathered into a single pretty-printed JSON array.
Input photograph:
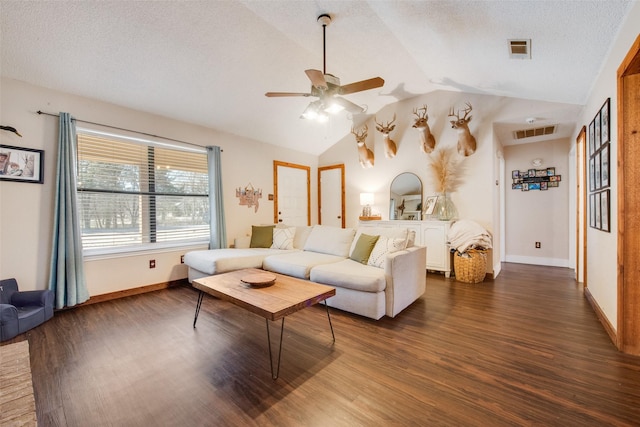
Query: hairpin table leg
[
  {"x": 329, "y": 317},
  {"x": 198, "y": 305},
  {"x": 277, "y": 368}
]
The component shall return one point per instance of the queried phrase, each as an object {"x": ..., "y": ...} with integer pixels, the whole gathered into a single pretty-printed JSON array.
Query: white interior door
[
  {"x": 331, "y": 196},
  {"x": 292, "y": 184}
]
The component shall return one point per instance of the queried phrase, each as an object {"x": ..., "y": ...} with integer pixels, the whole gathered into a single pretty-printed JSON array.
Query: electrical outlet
[
  {"x": 152, "y": 263},
  {"x": 181, "y": 259},
  {"x": 537, "y": 245}
]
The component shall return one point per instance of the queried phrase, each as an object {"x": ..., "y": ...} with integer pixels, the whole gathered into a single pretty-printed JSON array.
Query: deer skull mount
[
  {"x": 390, "y": 147},
  {"x": 365, "y": 156},
  {"x": 466, "y": 141},
  {"x": 427, "y": 140}
]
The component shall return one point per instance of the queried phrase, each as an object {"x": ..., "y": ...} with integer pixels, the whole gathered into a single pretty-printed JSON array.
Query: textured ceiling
[{"x": 210, "y": 62}]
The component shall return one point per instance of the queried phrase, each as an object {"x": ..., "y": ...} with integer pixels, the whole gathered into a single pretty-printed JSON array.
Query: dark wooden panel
[{"x": 523, "y": 349}]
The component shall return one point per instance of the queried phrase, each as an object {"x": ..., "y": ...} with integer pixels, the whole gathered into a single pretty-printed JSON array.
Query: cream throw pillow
[
  {"x": 283, "y": 238},
  {"x": 383, "y": 247}
]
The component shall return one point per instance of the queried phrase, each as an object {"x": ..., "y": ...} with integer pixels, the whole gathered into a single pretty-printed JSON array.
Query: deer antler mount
[
  {"x": 466, "y": 141},
  {"x": 365, "y": 155},
  {"x": 390, "y": 147},
  {"x": 427, "y": 140}
]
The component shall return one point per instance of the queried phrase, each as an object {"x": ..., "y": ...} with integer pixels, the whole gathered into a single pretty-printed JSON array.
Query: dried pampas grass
[{"x": 446, "y": 170}]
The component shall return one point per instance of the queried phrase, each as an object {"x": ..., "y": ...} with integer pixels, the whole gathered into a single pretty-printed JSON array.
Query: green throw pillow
[
  {"x": 363, "y": 248},
  {"x": 261, "y": 236}
]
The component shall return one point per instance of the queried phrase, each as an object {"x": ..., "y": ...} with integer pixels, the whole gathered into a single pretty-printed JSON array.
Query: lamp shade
[{"x": 366, "y": 199}]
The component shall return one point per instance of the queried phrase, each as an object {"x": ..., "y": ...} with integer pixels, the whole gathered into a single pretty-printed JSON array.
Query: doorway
[
  {"x": 331, "y": 198},
  {"x": 581, "y": 207},
  {"x": 628, "y": 328},
  {"x": 292, "y": 186}
]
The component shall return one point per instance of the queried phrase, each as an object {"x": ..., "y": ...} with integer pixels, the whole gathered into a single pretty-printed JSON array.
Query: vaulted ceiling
[{"x": 211, "y": 62}]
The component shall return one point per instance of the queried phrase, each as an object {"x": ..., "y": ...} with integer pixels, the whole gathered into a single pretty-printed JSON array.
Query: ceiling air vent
[
  {"x": 520, "y": 49},
  {"x": 530, "y": 133}
]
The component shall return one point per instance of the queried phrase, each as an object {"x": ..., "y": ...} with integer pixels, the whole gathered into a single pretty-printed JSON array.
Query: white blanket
[{"x": 466, "y": 234}]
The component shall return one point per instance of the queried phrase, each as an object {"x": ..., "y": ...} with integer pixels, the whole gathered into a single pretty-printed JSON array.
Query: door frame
[
  {"x": 342, "y": 198},
  {"x": 581, "y": 205},
  {"x": 628, "y": 327},
  {"x": 276, "y": 164}
]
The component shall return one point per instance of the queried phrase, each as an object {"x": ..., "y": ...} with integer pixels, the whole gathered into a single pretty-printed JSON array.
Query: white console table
[{"x": 429, "y": 233}]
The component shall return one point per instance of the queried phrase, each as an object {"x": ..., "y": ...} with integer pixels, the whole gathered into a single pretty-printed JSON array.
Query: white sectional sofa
[{"x": 391, "y": 277}]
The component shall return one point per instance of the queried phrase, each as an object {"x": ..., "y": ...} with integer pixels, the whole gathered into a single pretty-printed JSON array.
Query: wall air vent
[
  {"x": 530, "y": 133},
  {"x": 519, "y": 49}
]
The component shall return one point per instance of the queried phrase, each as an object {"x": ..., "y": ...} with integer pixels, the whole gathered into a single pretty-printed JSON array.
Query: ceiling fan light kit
[
  {"x": 315, "y": 111},
  {"x": 326, "y": 87}
]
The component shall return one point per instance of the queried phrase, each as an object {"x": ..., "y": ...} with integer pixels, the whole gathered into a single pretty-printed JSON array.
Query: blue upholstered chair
[{"x": 21, "y": 311}]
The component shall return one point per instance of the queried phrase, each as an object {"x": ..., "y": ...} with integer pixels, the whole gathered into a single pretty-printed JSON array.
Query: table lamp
[{"x": 366, "y": 200}]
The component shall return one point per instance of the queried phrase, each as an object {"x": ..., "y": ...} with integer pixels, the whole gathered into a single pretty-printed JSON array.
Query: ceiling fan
[{"x": 326, "y": 87}]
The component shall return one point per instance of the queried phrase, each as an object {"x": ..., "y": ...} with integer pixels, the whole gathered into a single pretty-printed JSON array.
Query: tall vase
[{"x": 445, "y": 209}]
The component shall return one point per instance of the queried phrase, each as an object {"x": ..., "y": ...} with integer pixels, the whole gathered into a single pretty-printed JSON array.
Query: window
[{"x": 133, "y": 195}]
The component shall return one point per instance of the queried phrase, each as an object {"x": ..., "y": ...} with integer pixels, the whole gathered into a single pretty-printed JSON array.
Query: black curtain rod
[{"x": 126, "y": 130}]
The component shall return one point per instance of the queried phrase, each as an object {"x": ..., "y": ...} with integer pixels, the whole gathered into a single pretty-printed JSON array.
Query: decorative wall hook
[{"x": 10, "y": 129}]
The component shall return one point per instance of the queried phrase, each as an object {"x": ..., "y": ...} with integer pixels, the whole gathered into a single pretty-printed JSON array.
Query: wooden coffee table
[{"x": 286, "y": 296}]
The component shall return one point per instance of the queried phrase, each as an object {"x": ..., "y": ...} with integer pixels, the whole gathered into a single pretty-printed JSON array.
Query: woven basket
[{"x": 472, "y": 268}]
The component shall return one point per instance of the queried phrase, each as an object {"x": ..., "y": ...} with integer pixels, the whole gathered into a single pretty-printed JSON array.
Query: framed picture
[
  {"x": 430, "y": 204},
  {"x": 604, "y": 122},
  {"x": 596, "y": 162},
  {"x": 551, "y": 171},
  {"x": 21, "y": 164},
  {"x": 596, "y": 145},
  {"x": 597, "y": 209},
  {"x": 604, "y": 168},
  {"x": 592, "y": 175},
  {"x": 532, "y": 173},
  {"x": 544, "y": 185},
  {"x": 592, "y": 135},
  {"x": 592, "y": 210},
  {"x": 604, "y": 211},
  {"x": 515, "y": 174}
]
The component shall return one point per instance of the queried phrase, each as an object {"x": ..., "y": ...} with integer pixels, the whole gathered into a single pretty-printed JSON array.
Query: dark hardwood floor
[{"x": 525, "y": 349}]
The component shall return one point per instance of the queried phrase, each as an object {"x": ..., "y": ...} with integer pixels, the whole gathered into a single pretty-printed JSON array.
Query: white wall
[
  {"x": 26, "y": 210},
  {"x": 409, "y": 158},
  {"x": 538, "y": 216},
  {"x": 602, "y": 247}
]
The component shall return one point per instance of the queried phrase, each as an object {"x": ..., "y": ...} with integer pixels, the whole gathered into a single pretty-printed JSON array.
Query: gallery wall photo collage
[{"x": 599, "y": 169}]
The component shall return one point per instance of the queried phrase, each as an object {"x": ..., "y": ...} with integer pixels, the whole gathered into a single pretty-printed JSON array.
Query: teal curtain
[
  {"x": 66, "y": 277},
  {"x": 217, "y": 225}
]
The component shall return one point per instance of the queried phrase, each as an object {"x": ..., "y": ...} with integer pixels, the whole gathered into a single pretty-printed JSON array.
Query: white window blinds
[{"x": 132, "y": 194}]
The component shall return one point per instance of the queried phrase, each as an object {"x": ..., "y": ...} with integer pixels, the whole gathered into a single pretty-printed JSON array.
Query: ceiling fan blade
[
  {"x": 361, "y": 85},
  {"x": 278, "y": 94},
  {"x": 348, "y": 105},
  {"x": 317, "y": 79}
]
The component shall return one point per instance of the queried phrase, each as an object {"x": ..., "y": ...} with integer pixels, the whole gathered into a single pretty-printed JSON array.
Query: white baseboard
[{"x": 551, "y": 262}]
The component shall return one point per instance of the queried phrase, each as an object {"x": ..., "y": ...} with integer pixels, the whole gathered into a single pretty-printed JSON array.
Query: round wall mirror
[{"x": 406, "y": 197}]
